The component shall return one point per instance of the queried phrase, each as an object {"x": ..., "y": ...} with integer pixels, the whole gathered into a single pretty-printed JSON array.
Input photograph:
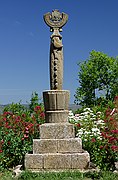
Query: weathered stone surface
[
  {"x": 57, "y": 161},
  {"x": 80, "y": 160},
  {"x": 45, "y": 146},
  {"x": 34, "y": 161},
  {"x": 57, "y": 131},
  {"x": 56, "y": 104},
  {"x": 70, "y": 145},
  {"x": 56, "y": 99},
  {"x": 56, "y": 20},
  {"x": 56, "y": 116}
]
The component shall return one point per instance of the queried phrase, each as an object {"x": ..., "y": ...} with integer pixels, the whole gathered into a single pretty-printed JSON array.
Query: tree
[
  {"x": 98, "y": 74},
  {"x": 34, "y": 101}
]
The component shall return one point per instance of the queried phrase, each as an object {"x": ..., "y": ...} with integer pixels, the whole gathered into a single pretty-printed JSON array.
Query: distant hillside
[
  {"x": 74, "y": 107},
  {"x": 71, "y": 107}
]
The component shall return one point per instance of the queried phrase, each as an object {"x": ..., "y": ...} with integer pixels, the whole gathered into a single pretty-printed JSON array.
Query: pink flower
[
  {"x": 26, "y": 136},
  {"x": 27, "y": 132},
  {"x": 26, "y": 128}
]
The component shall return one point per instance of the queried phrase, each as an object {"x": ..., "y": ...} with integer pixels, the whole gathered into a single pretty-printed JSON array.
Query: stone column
[
  {"x": 57, "y": 148},
  {"x": 56, "y": 100}
]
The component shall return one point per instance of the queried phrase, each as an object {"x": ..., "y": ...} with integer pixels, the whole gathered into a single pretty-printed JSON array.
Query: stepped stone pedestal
[{"x": 57, "y": 148}]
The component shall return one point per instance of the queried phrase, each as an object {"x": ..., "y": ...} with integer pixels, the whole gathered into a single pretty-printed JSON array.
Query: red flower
[
  {"x": 2, "y": 141},
  {"x": 93, "y": 140},
  {"x": 114, "y": 148},
  {"x": 116, "y": 98},
  {"x": 115, "y": 131},
  {"x": 9, "y": 143},
  {"x": 111, "y": 119},
  {"x": 1, "y": 151},
  {"x": 4, "y": 119},
  {"x": 42, "y": 115},
  {"x": 37, "y": 108},
  {"x": 78, "y": 125},
  {"x": 23, "y": 115},
  {"x": 101, "y": 147}
]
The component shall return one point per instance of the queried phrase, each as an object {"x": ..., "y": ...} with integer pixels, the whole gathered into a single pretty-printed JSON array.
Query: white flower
[
  {"x": 88, "y": 109},
  {"x": 87, "y": 132},
  {"x": 77, "y": 115},
  {"x": 95, "y": 129},
  {"x": 100, "y": 122},
  {"x": 98, "y": 112}
]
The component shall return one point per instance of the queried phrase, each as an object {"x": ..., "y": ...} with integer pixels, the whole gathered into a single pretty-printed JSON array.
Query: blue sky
[{"x": 25, "y": 39}]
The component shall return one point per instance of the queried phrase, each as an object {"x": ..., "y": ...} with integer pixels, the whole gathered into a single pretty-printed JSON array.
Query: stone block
[
  {"x": 44, "y": 146},
  {"x": 57, "y": 161},
  {"x": 56, "y": 100},
  {"x": 57, "y": 131},
  {"x": 80, "y": 160},
  {"x": 34, "y": 161},
  {"x": 70, "y": 145},
  {"x": 59, "y": 116}
]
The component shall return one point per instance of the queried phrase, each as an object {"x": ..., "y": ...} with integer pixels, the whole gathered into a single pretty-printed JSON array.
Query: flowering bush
[
  {"x": 100, "y": 137},
  {"x": 18, "y": 127}
]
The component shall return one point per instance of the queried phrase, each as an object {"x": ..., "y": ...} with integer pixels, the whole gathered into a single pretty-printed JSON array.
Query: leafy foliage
[
  {"x": 18, "y": 127},
  {"x": 99, "y": 134},
  {"x": 98, "y": 73},
  {"x": 34, "y": 101}
]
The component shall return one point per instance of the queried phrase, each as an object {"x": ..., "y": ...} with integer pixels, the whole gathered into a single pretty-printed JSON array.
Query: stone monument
[{"x": 57, "y": 148}]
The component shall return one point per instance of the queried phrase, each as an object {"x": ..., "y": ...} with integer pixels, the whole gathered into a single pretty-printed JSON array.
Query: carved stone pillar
[
  {"x": 56, "y": 21},
  {"x": 57, "y": 149}
]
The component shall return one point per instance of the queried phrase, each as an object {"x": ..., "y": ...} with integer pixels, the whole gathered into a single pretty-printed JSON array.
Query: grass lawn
[{"x": 76, "y": 175}]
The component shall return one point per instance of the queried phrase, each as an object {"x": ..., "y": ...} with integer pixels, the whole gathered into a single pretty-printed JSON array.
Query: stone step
[
  {"x": 57, "y": 131},
  {"x": 71, "y": 145},
  {"x": 57, "y": 161}
]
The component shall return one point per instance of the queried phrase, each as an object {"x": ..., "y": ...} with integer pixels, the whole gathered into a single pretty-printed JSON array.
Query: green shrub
[
  {"x": 99, "y": 133},
  {"x": 18, "y": 127}
]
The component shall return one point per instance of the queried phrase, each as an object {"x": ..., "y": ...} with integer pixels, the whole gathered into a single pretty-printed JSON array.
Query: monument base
[
  {"x": 57, "y": 149},
  {"x": 57, "y": 161}
]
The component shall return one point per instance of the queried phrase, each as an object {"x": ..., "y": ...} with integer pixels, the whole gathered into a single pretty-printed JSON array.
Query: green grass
[{"x": 76, "y": 175}]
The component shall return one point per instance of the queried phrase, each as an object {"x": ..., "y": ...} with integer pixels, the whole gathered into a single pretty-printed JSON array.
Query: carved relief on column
[{"x": 56, "y": 21}]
